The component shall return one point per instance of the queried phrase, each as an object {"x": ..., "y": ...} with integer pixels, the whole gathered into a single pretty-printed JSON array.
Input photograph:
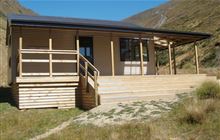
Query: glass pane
[{"x": 124, "y": 49}]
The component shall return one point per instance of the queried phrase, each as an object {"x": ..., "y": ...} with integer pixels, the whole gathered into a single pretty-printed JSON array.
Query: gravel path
[
  {"x": 121, "y": 113},
  {"x": 118, "y": 114}
]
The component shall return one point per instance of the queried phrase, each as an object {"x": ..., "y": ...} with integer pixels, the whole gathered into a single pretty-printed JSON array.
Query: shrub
[{"x": 208, "y": 90}]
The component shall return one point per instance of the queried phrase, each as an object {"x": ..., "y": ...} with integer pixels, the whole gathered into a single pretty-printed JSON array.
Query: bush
[{"x": 208, "y": 90}]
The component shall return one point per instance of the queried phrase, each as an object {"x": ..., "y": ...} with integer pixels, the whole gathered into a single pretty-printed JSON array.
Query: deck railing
[
  {"x": 89, "y": 72},
  {"x": 50, "y": 60}
]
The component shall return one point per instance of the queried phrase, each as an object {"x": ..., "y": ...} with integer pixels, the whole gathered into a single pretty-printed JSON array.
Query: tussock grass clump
[
  {"x": 208, "y": 89},
  {"x": 196, "y": 111},
  {"x": 218, "y": 74}
]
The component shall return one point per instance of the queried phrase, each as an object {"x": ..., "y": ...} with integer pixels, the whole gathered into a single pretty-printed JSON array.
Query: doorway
[{"x": 86, "y": 48}]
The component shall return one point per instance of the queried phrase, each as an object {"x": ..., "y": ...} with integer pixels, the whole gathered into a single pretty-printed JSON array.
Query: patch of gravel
[{"x": 123, "y": 112}]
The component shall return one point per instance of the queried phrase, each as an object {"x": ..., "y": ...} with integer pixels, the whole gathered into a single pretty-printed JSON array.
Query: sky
[{"x": 91, "y": 9}]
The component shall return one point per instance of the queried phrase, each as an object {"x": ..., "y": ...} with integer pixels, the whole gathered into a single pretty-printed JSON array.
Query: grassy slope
[
  {"x": 19, "y": 125},
  {"x": 188, "y": 15},
  {"x": 175, "y": 124}
]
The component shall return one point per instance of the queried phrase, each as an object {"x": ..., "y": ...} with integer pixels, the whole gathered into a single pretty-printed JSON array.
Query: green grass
[
  {"x": 175, "y": 124},
  {"x": 191, "y": 118},
  {"x": 19, "y": 125}
]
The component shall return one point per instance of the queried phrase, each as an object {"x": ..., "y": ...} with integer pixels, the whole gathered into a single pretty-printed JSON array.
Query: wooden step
[
  {"x": 144, "y": 91},
  {"x": 133, "y": 99}
]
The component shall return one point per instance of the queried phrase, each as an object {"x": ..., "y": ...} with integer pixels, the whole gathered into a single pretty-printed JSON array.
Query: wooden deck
[
  {"x": 121, "y": 89},
  {"x": 41, "y": 92},
  {"x": 78, "y": 91}
]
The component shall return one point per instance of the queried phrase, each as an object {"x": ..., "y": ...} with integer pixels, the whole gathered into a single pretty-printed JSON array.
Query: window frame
[{"x": 132, "y": 48}]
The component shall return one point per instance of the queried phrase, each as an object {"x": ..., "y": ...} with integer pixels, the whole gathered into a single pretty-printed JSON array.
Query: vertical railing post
[
  {"x": 112, "y": 58},
  {"x": 20, "y": 56},
  {"x": 196, "y": 58},
  {"x": 77, "y": 49},
  {"x": 96, "y": 88},
  {"x": 170, "y": 58},
  {"x": 174, "y": 60},
  {"x": 50, "y": 58},
  {"x": 86, "y": 74},
  {"x": 141, "y": 56}
]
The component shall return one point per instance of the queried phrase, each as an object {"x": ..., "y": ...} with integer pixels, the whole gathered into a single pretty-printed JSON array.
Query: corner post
[
  {"x": 196, "y": 58},
  {"x": 20, "y": 55},
  {"x": 174, "y": 60},
  {"x": 96, "y": 88},
  {"x": 77, "y": 49},
  {"x": 50, "y": 55},
  {"x": 141, "y": 56},
  {"x": 170, "y": 58},
  {"x": 112, "y": 57}
]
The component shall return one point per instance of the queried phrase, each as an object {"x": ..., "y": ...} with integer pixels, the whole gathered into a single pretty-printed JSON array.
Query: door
[{"x": 86, "y": 48}]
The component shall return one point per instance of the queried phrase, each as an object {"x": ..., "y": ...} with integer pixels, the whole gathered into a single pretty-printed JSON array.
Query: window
[{"x": 130, "y": 49}]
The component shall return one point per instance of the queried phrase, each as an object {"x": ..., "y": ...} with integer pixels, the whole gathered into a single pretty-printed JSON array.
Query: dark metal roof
[{"x": 105, "y": 25}]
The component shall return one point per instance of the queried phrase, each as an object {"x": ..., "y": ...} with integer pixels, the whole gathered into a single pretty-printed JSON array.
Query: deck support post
[
  {"x": 86, "y": 74},
  {"x": 96, "y": 88},
  {"x": 20, "y": 55},
  {"x": 50, "y": 57},
  {"x": 196, "y": 58},
  {"x": 157, "y": 62},
  {"x": 170, "y": 58},
  {"x": 174, "y": 60},
  {"x": 141, "y": 56},
  {"x": 77, "y": 49},
  {"x": 112, "y": 57}
]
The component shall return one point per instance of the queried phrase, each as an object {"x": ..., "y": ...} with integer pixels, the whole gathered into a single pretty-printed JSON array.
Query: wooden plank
[
  {"x": 36, "y": 51},
  {"x": 65, "y": 74},
  {"x": 170, "y": 59},
  {"x": 47, "y": 89},
  {"x": 41, "y": 92},
  {"x": 30, "y": 95},
  {"x": 72, "y": 105},
  {"x": 47, "y": 74},
  {"x": 46, "y": 61},
  {"x": 196, "y": 58},
  {"x": 47, "y": 100},
  {"x": 47, "y": 79},
  {"x": 141, "y": 57},
  {"x": 112, "y": 58},
  {"x": 46, "y": 85},
  {"x": 48, "y": 50}
]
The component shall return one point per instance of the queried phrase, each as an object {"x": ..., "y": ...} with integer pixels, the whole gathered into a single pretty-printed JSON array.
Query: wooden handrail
[
  {"x": 93, "y": 76},
  {"x": 46, "y": 51},
  {"x": 89, "y": 64}
]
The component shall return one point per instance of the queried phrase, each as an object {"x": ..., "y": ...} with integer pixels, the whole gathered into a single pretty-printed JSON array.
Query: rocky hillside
[
  {"x": 187, "y": 15},
  {"x": 7, "y": 7}
]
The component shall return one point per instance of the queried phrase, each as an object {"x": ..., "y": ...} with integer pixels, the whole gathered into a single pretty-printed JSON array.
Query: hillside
[
  {"x": 7, "y": 7},
  {"x": 187, "y": 15}
]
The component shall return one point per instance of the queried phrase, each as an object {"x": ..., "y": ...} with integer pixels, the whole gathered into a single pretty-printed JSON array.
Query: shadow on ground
[{"x": 6, "y": 96}]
